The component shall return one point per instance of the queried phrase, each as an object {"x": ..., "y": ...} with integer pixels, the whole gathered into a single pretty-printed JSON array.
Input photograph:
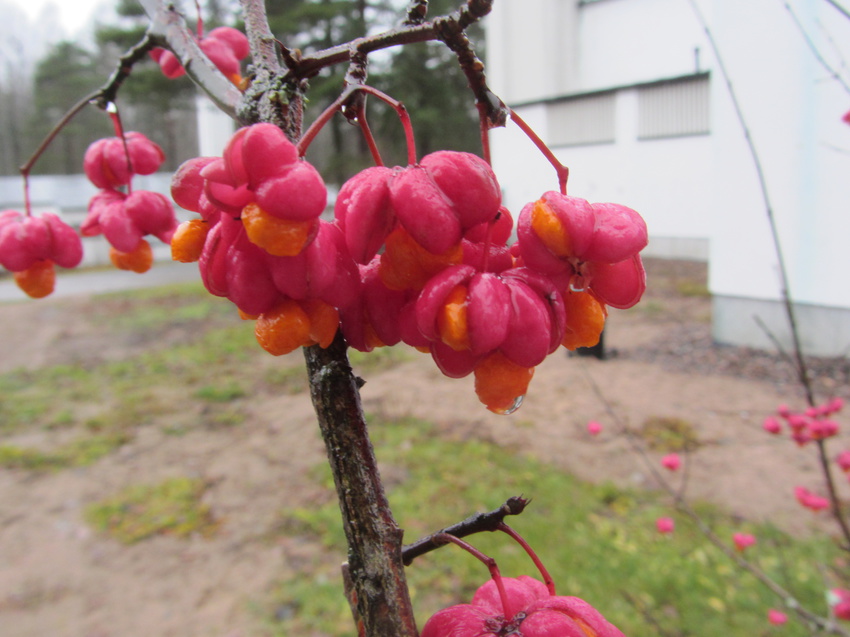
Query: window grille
[
  {"x": 674, "y": 109},
  {"x": 582, "y": 120}
]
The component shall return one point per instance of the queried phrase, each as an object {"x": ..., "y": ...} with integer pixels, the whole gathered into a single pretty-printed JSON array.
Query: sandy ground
[{"x": 59, "y": 578}]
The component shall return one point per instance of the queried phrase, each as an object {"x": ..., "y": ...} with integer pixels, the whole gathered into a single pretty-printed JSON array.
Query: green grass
[
  {"x": 599, "y": 542},
  {"x": 79, "y": 453},
  {"x": 157, "y": 307},
  {"x": 172, "y": 507}
]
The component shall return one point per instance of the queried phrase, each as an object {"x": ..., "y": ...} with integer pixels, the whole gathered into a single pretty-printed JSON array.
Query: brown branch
[
  {"x": 448, "y": 29},
  {"x": 273, "y": 96},
  {"x": 477, "y": 523},
  {"x": 168, "y": 30},
  {"x": 100, "y": 98},
  {"x": 451, "y": 31},
  {"x": 374, "y": 539},
  {"x": 417, "y": 11}
]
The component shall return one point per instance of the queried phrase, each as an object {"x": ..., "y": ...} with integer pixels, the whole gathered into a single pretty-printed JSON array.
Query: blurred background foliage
[{"x": 425, "y": 77}]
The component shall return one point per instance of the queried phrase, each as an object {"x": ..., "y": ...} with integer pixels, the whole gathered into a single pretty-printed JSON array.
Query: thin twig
[
  {"x": 101, "y": 98},
  {"x": 832, "y": 72},
  {"x": 417, "y": 11},
  {"x": 801, "y": 366},
  {"x": 839, "y": 8},
  {"x": 823, "y": 623},
  {"x": 647, "y": 616},
  {"x": 168, "y": 29},
  {"x": 773, "y": 339},
  {"x": 477, "y": 523}
]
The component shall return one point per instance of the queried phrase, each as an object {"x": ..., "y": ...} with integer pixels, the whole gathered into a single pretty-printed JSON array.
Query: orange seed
[
  {"x": 279, "y": 237},
  {"x": 38, "y": 280},
  {"x": 138, "y": 260},
  {"x": 188, "y": 240},
  {"x": 499, "y": 382}
]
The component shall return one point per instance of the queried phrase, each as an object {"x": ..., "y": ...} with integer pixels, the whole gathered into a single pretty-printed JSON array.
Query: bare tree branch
[{"x": 168, "y": 30}]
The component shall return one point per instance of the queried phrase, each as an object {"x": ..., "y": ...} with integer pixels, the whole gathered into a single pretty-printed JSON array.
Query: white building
[{"x": 630, "y": 95}]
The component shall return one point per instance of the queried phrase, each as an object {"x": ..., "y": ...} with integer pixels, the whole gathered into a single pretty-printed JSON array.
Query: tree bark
[{"x": 374, "y": 539}]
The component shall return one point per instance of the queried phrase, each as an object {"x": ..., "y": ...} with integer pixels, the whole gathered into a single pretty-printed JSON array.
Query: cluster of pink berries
[
  {"x": 224, "y": 46},
  {"x": 527, "y": 608},
  {"x": 416, "y": 254},
  {"x": 122, "y": 215},
  {"x": 814, "y": 423},
  {"x": 260, "y": 241},
  {"x": 30, "y": 246},
  {"x": 518, "y": 606}
]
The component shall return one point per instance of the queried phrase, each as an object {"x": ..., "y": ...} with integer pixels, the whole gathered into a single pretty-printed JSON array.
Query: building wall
[{"x": 700, "y": 193}]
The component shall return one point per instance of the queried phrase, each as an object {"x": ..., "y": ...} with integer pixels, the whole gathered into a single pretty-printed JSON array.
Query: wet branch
[
  {"x": 478, "y": 523},
  {"x": 168, "y": 30},
  {"x": 375, "y": 567}
]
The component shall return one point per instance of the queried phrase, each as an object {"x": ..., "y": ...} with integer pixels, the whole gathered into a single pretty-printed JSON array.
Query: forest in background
[{"x": 31, "y": 102}]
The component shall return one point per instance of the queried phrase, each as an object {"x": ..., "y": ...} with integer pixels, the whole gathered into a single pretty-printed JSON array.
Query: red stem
[
  {"x": 484, "y": 123},
  {"x": 367, "y": 134},
  {"x": 562, "y": 171},
  {"x": 27, "y": 204},
  {"x": 547, "y": 579},
  {"x": 200, "y": 21},
  {"x": 310, "y": 134},
  {"x": 308, "y": 137},
  {"x": 488, "y": 561},
  {"x": 112, "y": 110}
]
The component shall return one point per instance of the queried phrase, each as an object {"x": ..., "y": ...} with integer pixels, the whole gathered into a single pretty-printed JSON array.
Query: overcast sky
[{"x": 73, "y": 15}]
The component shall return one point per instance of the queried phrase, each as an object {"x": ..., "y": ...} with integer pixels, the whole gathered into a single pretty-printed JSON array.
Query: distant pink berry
[
  {"x": 843, "y": 460},
  {"x": 671, "y": 461},
  {"x": 743, "y": 540},
  {"x": 801, "y": 437},
  {"x": 594, "y": 428},
  {"x": 820, "y": 429},
  {"x": 839, "y": 599},
  {"x": 846, "y": 118},
  {"x": 783, "y": 410},
  {"x": 798, "y": 421},
  {"x": 810, "y": 500},
  {"x": 771, "y": 425},
  {"x": 834, "y": 405},
  {"x": 665, "y": 525},
  {"x": 776, "y": 617}
]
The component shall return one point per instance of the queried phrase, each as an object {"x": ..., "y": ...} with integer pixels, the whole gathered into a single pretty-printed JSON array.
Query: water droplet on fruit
[
  {"x": 513, "y": 407},
  {"x": 578, "y": 283}
]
